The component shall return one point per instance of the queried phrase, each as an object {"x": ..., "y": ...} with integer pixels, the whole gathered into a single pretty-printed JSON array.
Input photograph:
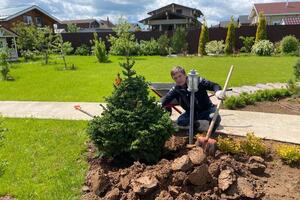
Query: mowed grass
[
  {"x": 46, "y": 159},
  {"x": 93, "y": 81}
]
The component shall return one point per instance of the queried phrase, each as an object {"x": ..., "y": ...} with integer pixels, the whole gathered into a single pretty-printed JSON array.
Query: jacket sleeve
[
  {"x": 172, "y": 94},
  {"x": 208, "y": 85}
]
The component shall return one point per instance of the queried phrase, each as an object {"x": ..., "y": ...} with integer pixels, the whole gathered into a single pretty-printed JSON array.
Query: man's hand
[{"x": 220, "y": 95}]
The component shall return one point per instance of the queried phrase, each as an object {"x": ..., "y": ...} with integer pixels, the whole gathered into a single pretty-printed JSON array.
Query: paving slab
[
  {"x": 277, "y": 85},
  {"x": 263, "y": 86},
  {"x": 251, "y": 89},
  {"x": 280, "y": 127},
  {"x": 48, "y": 110}
]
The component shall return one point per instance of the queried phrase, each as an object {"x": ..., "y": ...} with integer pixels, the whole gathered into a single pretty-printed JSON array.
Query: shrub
[
  {"x": 124, "y": 42},
  {"x": 72, "y": 28},
  {"x": 203, "y": 39},
  {"x": 215, "y": 47},
  {"x": 289, "y": 45},
  {"x": 263, "y": 48},
  {"x": 230, "y": 38},
  {"x": 277, "y": 48},
  {"x": 149, "y": 47},
  {"x": 253, "y": 145},
  {"x": 244, "y": 99},
  {"x": 261, "y": 31},
  {"x": 271, "y": 95},
  {"x": 229, "y": 145},
  {"x": 296, "y": 70},
  {"x": 100, "y": 49},
  {"x": 179, "y": 43},
  {"x": 234, "y": 102},
  {"x": 163, "y": 44},
  {"x": 82, "y": 50},
  {"x": 27, "y": 36},
  {"x": 133, "y": 126},
  {"x": 247, "y": 43},
  {"x": 29, "y": 54},
  {"x": 290, "y": 154},
  {"x": 4, "y": 64}
]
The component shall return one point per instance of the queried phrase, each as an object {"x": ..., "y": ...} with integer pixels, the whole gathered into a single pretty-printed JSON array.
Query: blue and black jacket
[{"x": 182, "y": 95}]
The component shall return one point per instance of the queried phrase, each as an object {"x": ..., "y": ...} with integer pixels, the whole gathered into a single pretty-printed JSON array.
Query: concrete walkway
[{"x": 285, "y": 128}]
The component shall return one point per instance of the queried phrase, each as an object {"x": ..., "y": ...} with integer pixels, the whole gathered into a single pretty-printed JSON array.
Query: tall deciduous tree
[
  {"x": 45, "y": 42},
  {"x": 124, "y": 41}
]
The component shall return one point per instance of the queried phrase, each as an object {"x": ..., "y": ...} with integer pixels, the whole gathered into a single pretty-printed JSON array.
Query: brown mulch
[{"x": 283, "y": 106}]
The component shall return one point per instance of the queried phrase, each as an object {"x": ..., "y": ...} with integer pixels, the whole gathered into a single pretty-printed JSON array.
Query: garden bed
[
  {"x": 289, "y": 106},
  {"x": 189, "y": 174}
]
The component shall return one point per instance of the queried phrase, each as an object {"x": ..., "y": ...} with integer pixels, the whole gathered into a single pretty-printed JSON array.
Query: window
[
  {"x": 276, "y": 22},
  {"x": 3, "y": 42},
  {"x": 38, "y": 21},
  {"x": 27, "y": 19},
  {"x": 179, "y": 11}
]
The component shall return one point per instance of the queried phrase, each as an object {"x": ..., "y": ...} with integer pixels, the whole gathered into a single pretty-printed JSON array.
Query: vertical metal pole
[{"x": 191, "y": 130}]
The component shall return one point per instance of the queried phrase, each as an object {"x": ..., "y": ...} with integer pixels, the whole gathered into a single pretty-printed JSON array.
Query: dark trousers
[{"x": 184, "y": 119}]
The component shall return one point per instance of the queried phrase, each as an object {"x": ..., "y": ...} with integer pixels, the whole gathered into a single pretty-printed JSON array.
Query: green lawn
[
  {"x": 92, "y": 81},
  {"x": 46, "y": 159}
]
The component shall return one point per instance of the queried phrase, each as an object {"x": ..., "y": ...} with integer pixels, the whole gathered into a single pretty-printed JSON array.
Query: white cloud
[{"x": 135, "y": 10}]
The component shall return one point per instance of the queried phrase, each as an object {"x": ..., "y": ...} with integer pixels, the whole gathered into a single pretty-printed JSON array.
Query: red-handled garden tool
[
  {"x": 78, "y": 107},
  {"x": 207, "y": 143}
]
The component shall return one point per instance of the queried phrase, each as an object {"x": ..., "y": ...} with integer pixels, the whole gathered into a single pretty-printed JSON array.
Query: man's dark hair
[{"x": 177, "y": 69}]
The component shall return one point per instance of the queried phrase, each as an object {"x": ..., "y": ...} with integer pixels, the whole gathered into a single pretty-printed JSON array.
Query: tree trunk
[{"x": 65, "y": 62}]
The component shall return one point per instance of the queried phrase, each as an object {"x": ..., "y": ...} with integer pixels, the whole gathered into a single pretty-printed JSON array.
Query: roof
[
  {"x": 164, "y": 14},
  {"x": 13, "y": 34},
  {"x": 107, "y": 22},
  {"x": 78, "y": 21},
  {"x": 10, "y": 13},
  {"x": 243, "y": 19},
  {"x": 224, "y": 24},
  {"x": 278, "y": 8},
  {"x": 151, "y": 12},
  {"x": 291, "y": 21}
]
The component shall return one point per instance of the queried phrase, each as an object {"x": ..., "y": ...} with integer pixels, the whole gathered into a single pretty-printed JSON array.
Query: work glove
[
  {"x": 220, "y": 95},
  {"x": 159, "y": 104}
]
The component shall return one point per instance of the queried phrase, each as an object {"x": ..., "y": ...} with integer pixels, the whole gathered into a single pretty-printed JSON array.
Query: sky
[{"x": 135, "y": 10}]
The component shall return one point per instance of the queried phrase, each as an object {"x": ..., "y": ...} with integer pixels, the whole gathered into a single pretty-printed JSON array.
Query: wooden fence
[{"x": 275, "y": 33}]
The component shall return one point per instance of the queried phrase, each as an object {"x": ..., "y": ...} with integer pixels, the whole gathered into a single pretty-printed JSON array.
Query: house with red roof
[{"x": 283, "y": 13}]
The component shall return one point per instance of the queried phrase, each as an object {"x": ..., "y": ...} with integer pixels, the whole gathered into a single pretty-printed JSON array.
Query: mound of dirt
[{"x": 182, "y": 174}]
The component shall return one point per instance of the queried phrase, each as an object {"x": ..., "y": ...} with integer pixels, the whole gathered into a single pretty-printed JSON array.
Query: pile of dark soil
[{"x": 181, "y": 174}]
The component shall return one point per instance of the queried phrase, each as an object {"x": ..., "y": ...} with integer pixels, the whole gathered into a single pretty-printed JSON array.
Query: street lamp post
[{"x": 193, "y": 81}]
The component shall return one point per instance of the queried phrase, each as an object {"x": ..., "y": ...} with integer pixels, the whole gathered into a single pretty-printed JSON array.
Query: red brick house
[{"x": 29, "y": 15}]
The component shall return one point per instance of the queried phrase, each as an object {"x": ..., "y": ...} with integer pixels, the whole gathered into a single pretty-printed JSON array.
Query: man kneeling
[{"x": 204, "y": 108}]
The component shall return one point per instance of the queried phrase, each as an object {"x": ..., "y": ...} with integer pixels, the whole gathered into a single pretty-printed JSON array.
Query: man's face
[{"x": 179, "y": 78}]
